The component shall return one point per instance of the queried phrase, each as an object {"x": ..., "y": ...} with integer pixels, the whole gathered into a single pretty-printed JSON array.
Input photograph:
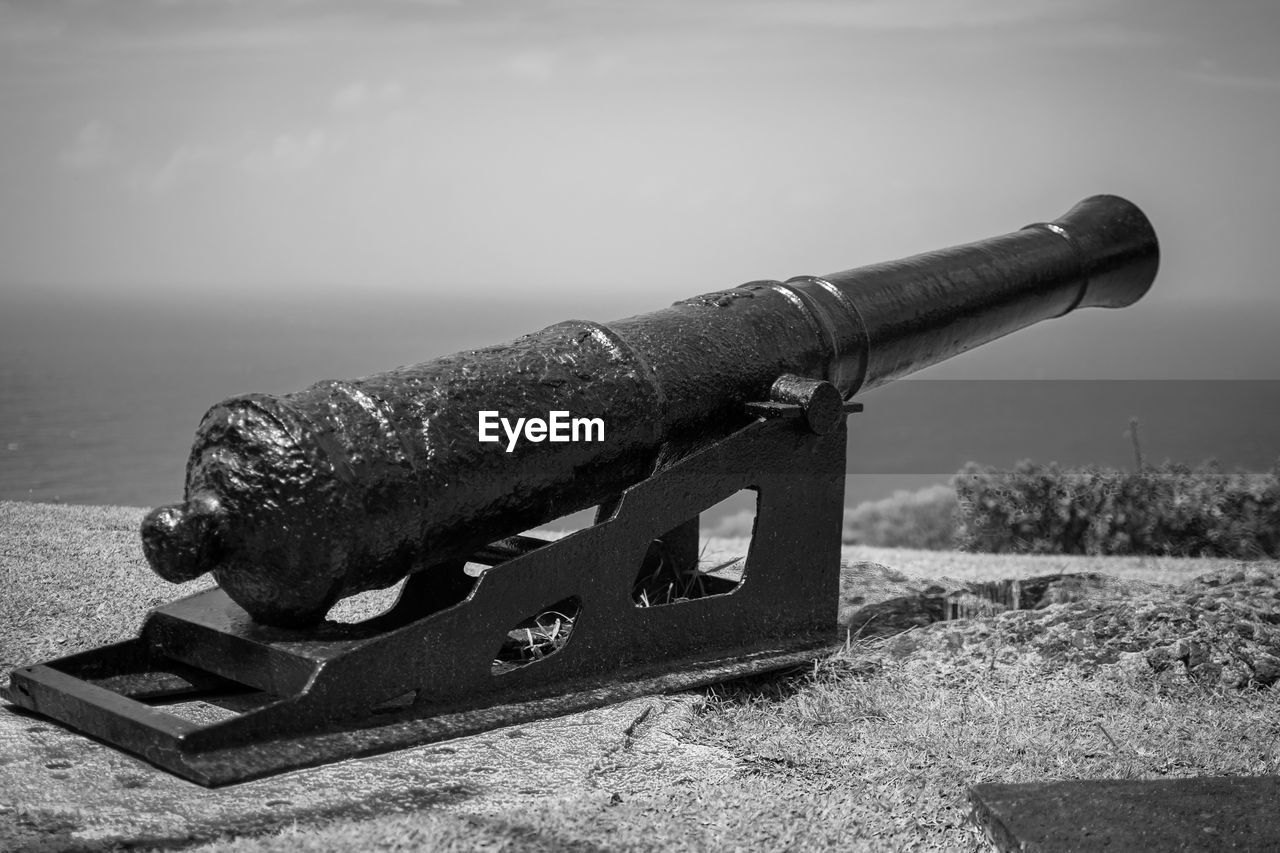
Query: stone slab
[
  {"x": 1206, "y": 813},
  {"x": 58, "y": 786}
]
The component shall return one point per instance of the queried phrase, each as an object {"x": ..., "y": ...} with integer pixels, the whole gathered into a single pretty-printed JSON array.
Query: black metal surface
[
  {"x": 296, "y": 501},
  {"x": 425, "y": 670},
  {"x": 166, "y": 748},
  {"x": 1205, "y": 813}
]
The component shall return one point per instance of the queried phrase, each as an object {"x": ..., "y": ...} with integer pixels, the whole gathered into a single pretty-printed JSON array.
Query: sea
[{"x": 100, "y": 394}]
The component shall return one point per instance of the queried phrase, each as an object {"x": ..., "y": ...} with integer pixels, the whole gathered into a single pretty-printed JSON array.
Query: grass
[
  {"x": 873, "y": 748},
  {"x": 666, "y": 579},
  {"x": 909, "y": 733},
  {"x": 868, "y": 750},
  {"x": 536, "y": 638},
  {"x": 989, "y": 567}
]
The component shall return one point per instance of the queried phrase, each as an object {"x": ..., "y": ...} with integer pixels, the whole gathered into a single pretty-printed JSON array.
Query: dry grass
[
  {"x": 667, "y": 579},
  {"x": 867, "y": 751},
  {"x": 905, "y": 736},
  {"x": 536, "y": 638},
  {"x": 872, "y": 749},
  {"x": 988, "y": 567},
  {"x": 876, "y": 747}
]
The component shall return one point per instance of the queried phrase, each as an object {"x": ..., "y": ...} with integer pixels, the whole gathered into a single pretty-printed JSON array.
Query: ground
[{"x": 873, "y": 748}]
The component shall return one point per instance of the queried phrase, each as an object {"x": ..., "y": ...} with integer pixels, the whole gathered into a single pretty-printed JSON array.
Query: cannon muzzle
[{"x": 295, "y": 501}]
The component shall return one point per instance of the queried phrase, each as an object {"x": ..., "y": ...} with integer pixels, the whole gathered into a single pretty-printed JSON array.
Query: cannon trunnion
[{"x": 294, "y": 502}]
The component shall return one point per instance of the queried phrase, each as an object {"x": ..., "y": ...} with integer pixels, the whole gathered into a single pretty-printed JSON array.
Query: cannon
[{"x": 294, "y": 502}]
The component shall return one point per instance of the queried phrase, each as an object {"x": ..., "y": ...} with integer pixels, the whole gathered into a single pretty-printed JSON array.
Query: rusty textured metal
[{"x": 296, "y": 501}]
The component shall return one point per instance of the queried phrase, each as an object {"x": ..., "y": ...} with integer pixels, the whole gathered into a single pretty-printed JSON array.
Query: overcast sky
[{"x": 625, "y": 154}]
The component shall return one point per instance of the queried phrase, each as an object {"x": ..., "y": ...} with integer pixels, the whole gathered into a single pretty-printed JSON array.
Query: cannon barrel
[{"x": 296, "y": 501}]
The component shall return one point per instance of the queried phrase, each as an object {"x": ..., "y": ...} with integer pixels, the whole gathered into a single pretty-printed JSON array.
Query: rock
[
  {"x": 1200, "y": 814},
  {"x": 1266, "y": 668},
  {"x": 894, "y": 616},
  {"x": 1044, "y": 590},
  {"x": 1219, "y": 630},
  {"x": 1130, "y": 666},
  {"x": 948, "y": 599}
]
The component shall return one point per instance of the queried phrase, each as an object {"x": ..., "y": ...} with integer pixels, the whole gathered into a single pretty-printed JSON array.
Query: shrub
[
  {"x": 922, "y": 519},
  {"x": 1168, "y": 510}
]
